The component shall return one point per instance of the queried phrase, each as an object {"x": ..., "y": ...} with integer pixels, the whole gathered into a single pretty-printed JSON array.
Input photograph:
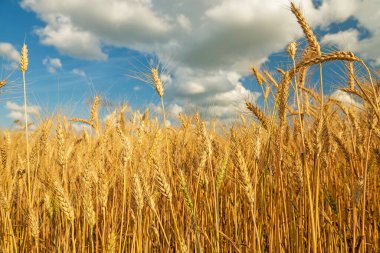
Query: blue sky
[{"x": 79, "y": 48}]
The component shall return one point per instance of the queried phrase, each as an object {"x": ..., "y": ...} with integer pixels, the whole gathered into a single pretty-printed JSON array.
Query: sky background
[{"x": 81, "y": 48}]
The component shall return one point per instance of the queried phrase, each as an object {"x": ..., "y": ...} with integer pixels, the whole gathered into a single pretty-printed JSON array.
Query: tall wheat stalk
[
  {"x": 24, "y": 67},
  {"x": 160, "y": 91}
]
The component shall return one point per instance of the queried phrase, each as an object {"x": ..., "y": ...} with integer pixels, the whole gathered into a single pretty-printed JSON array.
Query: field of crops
[{"x": 301, "y": 174}]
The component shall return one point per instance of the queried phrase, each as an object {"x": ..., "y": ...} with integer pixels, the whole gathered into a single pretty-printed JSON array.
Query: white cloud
[
  {"x": 10, "y": 53},
  {"x": 13, "y": 106},
  {"x": 16, "y": 112},
  {"x": 368, "y": 16},
  {"x": 345, "y": 40},
  {"x": 70, "y": 40},
  {"x": 137, "y": 88},
  {"x": 156, "y": 108},
  {"x": 116, "y": 22},
  {"x": 14, "y": 115},
  {"x": 175, "y": 109},
  {"x": 31, "y": 109},
  {"x": 211, "y": 43},
  {"x": 330, "y": 11},
  {"x": 52, "y": 64},
  {"x": 345, "y": 98},
  {"x": 79, "y": 72},
  {"x": 186, "y": 29},
  {"x": 222, "y": 93}
]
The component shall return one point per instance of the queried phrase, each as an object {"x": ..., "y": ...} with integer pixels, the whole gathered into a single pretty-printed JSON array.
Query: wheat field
[{"x": 301, "y": 174}]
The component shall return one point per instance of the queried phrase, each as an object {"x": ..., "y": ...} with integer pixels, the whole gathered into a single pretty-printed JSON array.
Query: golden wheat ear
[
  {"x": 311, "y": 39},
  {"x": 259, "y": 77},
  {"x": 259, "y": 114},
  {"x": 157, "y": 82},
  {"x": 24, "y": 61}
]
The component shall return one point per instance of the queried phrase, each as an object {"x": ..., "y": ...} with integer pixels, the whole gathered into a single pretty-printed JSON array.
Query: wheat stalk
[
  {"x": 163, "y": 183},
  {"x": 311, "y": 39},
  {"x": 259, "y": 115},
  {"x": 157, "y": 82},
  {"x": 111, "y": 242},
  {"x": 222, "y": 171},
  {"x": 283, "y": 93},
  {"x": 138, "y": 193},
  {"x": 292, "y": 49},
  {"x": 62, "y": 201},
  {"x": 24, "y": 61},
  {"x": 312, "y": 93},
  {"x": 83, "y": 121},
  {"x": 271, "y": 78},
  {"x": 184, "y": 189},
  {"x": 245, "y": 178},
  {"x": 339, "y": 55},
  {"x": 103, "y": 185},
  {"x": 88, "y": 205},
  {"x": 353, "y": 92},
  {"x": 94, "y": 116},
  {"x": 60, "y": 144},
  {"x": 33, "y": 224},
  {"x": 258, "y": 75}
]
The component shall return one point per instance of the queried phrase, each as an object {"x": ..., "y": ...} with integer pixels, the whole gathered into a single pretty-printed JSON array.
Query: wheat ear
[
  {"x": 271, "y": 78},
  {"x": 94, "y": 115},
  {"x": 257, "y": 75},
  {"x": 283, "y": 93},
  {"x": 258, "y": 113},
  {"x": 340, "y": 55},
  {"x": 32, "y": 221},
  {"x": 88, "y": 205},
  {"x": 245, "y": 178},
  {"x": 138, "y": 193},
  {"x": 163, "y": 183},
  {"x": 157, "y": 82},
  {"x": 311, "y": 39},
  {"x": 63, "y": 201}
]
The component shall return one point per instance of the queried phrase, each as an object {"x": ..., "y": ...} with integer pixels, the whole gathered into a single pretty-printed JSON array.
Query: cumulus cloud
[
  {"x": 16, "y": 113},
  {"x": 116, "y": 22},
  {"x": 52, "y": 64},
  {"x": 79, "y": 72},
  {"x": 345, "y": 98},
  {"x": 211, "y": 43},
  {"x": 187, "y": 28},
  {"x": 10, "y": 54},
  {"x": 70, "y": 40},
  {"x": 218, "y": 93},
  {"x": 31, "y": 109},
  {"x": 175, "y": 109},
  {"x": 345, "y": 40},
  {"x": 367, "y": 15},
  {"x": 330, "y": 11}
]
